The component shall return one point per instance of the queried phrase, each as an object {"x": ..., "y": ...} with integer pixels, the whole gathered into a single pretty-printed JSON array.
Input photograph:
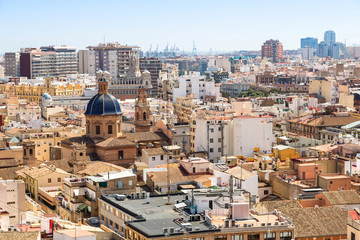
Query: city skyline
[{"x": 230, "y": 26}]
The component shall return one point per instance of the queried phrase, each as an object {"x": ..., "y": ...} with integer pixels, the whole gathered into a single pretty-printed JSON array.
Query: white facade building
[
  {"x": 250, "y": 132},
  {"x": 308, "y": 53},
  {"x": 220, "y": 62},
  {"x": 12, "y": 199},
  {"x": 195, "y": 84},
  {"x": 238, "y": 136}
]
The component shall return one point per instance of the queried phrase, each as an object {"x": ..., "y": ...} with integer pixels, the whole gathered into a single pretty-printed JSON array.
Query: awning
[
  {"x": 76, "y": 192},
  {"x": 180, "y": 205},
  {"x": 84, "y": 206}
]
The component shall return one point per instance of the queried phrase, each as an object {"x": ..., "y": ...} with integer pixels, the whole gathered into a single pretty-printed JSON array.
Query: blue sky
[{"x": 220, "y": 25}]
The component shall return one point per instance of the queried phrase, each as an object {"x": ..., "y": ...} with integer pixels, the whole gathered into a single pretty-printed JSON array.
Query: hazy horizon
[{"x": 221, "y": 26}]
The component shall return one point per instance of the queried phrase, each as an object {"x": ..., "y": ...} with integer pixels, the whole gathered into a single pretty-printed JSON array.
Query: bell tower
[{"x": 142, "y": 112}]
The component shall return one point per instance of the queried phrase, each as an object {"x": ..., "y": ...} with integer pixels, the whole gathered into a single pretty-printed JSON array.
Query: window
[
  {"x": 130, "y": 182},
  {"x": 270, "y": 236},
  {"x": 10, "y": 203},
  {"x": 285, "y": 236},
  {"x": 237, "y": 237},
  {"x": 211, "y": 150},
  {"x": 219, "y": 149},
  {"x": 352, "y": 236},
  {"x": 59, "y": 179},
  {"x": 330, "y": 182},
  {"x": 118, "y": 127},
  {"x": 49, "y": 180},
  {"x": 211, "y": 140},
  {"x": 120, "y": 155},
  {"x": 266, "y": 192},
  {"x": 110, "y": 129},
  {"x": 120, "y": 184},
  {"x": 97, "y": 129},
  {"x": 219, "y": 139},
  {"x": 211, "y": 130},
  {"x": 162, "y": 157},
  {"x": 220, "y": 237}
]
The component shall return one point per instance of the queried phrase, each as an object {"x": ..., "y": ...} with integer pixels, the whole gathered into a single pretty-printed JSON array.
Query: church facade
[{"x": 104, "y": 139}]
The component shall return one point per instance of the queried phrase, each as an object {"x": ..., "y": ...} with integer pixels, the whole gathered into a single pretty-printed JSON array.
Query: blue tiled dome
[
  {"x": 103, "y": 104},
  {"x": 46, "y": 96}
]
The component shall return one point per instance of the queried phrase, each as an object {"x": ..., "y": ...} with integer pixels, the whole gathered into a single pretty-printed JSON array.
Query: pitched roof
[
  {"x": 13, "y": 131},
  {"x": 80, "y": 140},
  {"x": 95, "y": 167},
  {"x": 270, "y": 206},
  {"x": 42, "y": 171},
  {"x": 318, "y": 221},
  {"x": 20, "y": 235},
  {"x": 240, "y": 173},
  {"x": 115, "y": 142},
  {"x": 176, "y": 174},
  {"x": 145, "y": 136},
  {"x": 154, "y": 151},
  {"x": 9, "y": 173},
  {"x": 342, "y": 197},
  {"x": 328, "y": 121}
]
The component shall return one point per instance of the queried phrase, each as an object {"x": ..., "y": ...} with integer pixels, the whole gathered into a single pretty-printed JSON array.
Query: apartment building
[
  {"x": 79, "y": 196},
  {"x": 40, "y": 177},
  {"x": 233, "y": 136},
  {"x": 12, "y": 64},
  {"x": 48, "y": 61},
  {"x": 273, "y": 50},
  {"x": 154, "y": 66},
  {"x": 111, "y": 57},
  {"x": 195, "y": 84},
  {"x": 132, "y": 218},
  {"x": 65, "y": 59},
  {"x": 12, "y": 199}
]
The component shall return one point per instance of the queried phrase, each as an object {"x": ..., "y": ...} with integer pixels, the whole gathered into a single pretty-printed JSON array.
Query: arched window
[
  {"x": 144, "y": 114},
  {"x": 137, "y": 116},
  {"x": 30, "y": 151}
]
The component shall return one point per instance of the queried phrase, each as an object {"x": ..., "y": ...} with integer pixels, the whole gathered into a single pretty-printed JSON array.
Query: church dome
[
  {"x": 103, "y": 104},
  {"x": 46, "y": 96}
]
